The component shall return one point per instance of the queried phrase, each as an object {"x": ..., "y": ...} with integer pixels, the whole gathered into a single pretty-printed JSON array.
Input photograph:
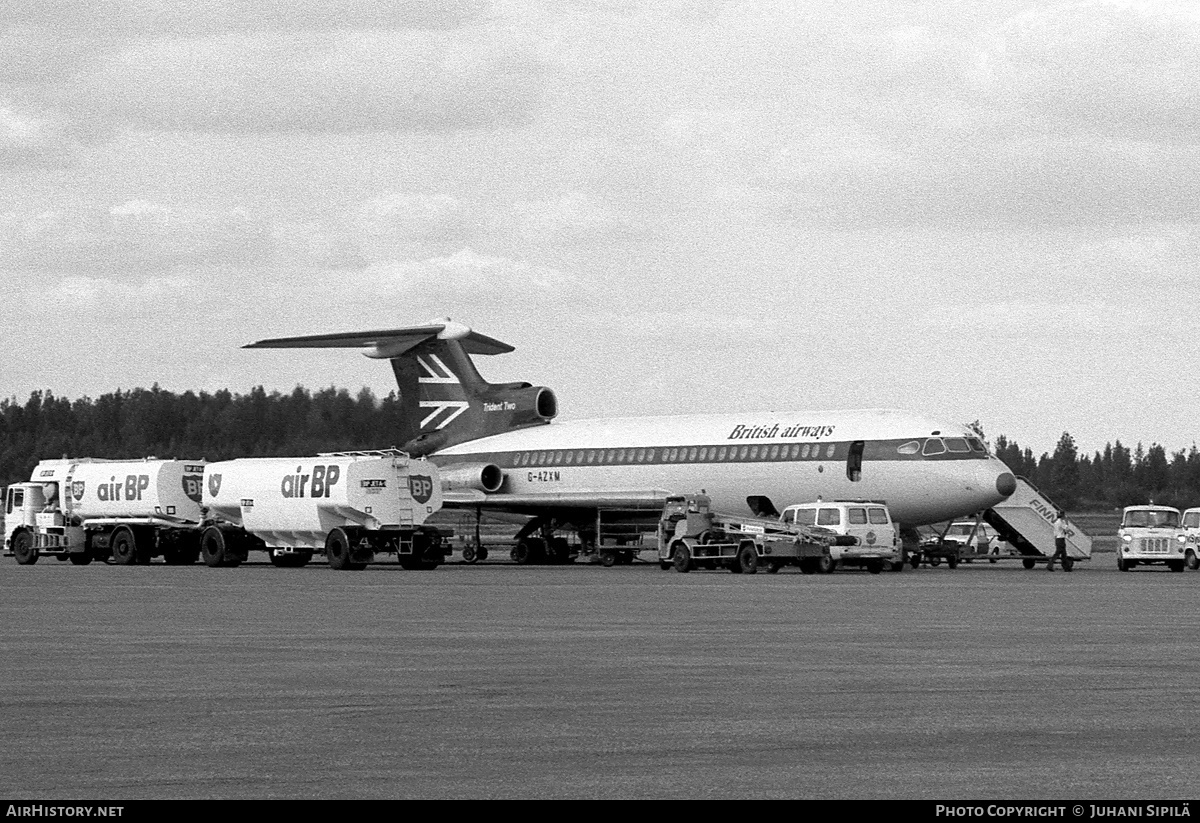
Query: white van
[{"x": 870, "y": 522}]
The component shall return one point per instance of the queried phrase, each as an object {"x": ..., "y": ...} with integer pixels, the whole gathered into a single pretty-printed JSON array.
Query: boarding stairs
[{"x": 1026, "y": 521}]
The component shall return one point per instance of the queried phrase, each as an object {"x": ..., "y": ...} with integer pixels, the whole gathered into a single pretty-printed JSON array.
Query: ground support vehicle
[
  {"x": 1026, "y": 522},
  {"x": 875, "y": 542},
  {"x": 692, "y": 536},
  {"x": 124, "y": 511},
  {"x": 1150, "y": 535},
  {"x": 1189, "y": 535},
  {"x": 348, "y": 506}
]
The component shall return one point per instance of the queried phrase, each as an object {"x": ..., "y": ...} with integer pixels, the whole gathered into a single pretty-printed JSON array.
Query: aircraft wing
[
  {"x": 584, "y": 499},
  {"x": 387, "y": 343}
]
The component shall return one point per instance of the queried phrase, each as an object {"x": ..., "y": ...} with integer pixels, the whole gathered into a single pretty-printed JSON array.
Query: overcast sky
[{"x": 975, "y": 210}]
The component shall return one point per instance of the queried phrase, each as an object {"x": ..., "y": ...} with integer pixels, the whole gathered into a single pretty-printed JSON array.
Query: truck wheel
[
  {"x": 608, "y": 558},
  {"x": 1029, "y": 562},
  {"x": 80, "y": 558},
  {"x": 213, "y": 547},
  {"x": 915, "y": 561},
  {"x": 23, "y": 548},
  {"x": 683, "y": 558},
  {"x": 808, "y": 565},
  {"x": 824, "y": 564},
  {"x": 337, "y": 549},
  {"x": 774, "y": 566},
  {"x": 748, "y": 559},
  {"x": 875, "y": 566},
  {"x": 952, "y": 562},
  {"x": 935, "y": 561},
  {"x": 124, "y": 546},
  {"x": 1192, "y": 561},
  {"x": 897, "y": 566},
  {"x": 1123, "y": 564},
  {"x": 469, "y": 554},
  {"x": 1174, "y": 565}
]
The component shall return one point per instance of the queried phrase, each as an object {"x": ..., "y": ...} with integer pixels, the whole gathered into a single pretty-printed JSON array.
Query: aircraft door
[{"x": 854, "y": 461}]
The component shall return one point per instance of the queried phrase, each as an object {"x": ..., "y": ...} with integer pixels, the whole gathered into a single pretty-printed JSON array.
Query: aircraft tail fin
[{"x": 444, "y": 399}]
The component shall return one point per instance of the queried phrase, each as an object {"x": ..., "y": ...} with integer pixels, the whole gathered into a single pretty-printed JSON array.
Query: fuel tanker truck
[
  {"x": 127, "y": 510},
  {"x": 348, "y": 506}
]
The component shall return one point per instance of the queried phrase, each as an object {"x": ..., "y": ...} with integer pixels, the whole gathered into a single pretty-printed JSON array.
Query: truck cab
[
  {"x": 869, "y": 522},
  {"x": 1150, "y": 535}
]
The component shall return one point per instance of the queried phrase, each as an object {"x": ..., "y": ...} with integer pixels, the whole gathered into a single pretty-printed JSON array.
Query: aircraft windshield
[{"x": 1151, "y": 519}]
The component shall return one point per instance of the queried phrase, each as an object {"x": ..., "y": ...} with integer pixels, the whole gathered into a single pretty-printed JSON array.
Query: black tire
[
  {"x": 608, "y": 558},
  {"x": 80, "y": 558},
  {"x": 214, "y": 547},
  {"x": 773, "y": 567},
  {"x": 1192, "y": 561},
  {"x": 1029, "y": 562},
  {"x": 875, "y": 566},
  {"x": 915, "y": 561},
  {"x": 825, "y": 564},
  {"x": 808, "y": 565},
  {"x": 935, "y": 561},
  {"x": 896, "y": 565},
  {"x": 23, "y": 548},
  {"x": 529, "y": 551},
  {"x": 682, "y": 558},
  {"x": 124, "y": 546},
  {"x": 952, "y": 562},
  {"x": 1174, "y": 565},
  {"x": 747, "y": 558},
  {"x": 469, "y": 554},
  {"x": 337, "y": 550},
  {"x": 1123, "y": 564}
]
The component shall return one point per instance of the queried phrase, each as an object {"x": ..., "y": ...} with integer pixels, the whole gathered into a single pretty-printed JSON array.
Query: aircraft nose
[{"x": 1006, "y": 484}]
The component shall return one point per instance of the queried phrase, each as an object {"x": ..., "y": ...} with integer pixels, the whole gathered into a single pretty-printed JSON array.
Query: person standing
[{"x": 1060, "y": 541}]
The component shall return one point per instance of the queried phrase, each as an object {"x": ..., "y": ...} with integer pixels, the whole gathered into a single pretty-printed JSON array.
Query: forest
[{"x": 218, "y": 426}]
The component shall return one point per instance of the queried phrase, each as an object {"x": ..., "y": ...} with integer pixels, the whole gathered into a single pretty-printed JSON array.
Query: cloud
[
  {"x": 1106, "y": 63},
  {"x": 31, "y": 140},
  {"x": 130, "y": 239},
  {"x": 335, "y": 83},
  {"x": 462, "y": 275}
]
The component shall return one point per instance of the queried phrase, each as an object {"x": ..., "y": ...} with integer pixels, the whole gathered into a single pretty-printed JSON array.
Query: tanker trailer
[
  {"x": 347, "y": 506},
  {"x": 127, "y": 510}
]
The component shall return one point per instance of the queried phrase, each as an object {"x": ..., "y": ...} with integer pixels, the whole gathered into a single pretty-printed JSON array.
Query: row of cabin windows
[
  {"x": 855, "y": 516},
  {"x": 689, "y": 454}
]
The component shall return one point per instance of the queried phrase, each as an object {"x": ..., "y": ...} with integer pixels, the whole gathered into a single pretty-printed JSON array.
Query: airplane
[{"x": 498, "y": 452}]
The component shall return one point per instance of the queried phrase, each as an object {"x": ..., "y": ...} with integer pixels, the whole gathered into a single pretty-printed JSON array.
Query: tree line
[{"x": 222, "y": 425}]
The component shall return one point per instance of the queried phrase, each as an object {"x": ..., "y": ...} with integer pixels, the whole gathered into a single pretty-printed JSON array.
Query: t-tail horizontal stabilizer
[{"x": 443, "y": 398}]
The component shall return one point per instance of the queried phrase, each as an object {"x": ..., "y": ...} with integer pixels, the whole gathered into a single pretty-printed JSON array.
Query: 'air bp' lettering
[
  {"x": 131, "y": 489},
  {"x": 318, "y": 484}
]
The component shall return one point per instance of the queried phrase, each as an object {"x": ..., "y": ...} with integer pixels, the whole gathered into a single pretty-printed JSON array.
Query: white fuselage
[{"x": 786, "y": 457}]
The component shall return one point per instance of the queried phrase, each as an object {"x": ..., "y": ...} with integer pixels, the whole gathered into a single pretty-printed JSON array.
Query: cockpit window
[
  {"x": 957, "y": 445},
  {"x": 933, "y": 445},
  {"x": 1151, "y": 519},
  {"x": 911, "y": 447}
]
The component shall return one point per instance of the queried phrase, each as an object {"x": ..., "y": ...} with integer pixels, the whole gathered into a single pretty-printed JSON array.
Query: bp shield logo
[
  {"x": 193, "y": 486},
  {"x": 77, "y": 490},
  {"x": 420, "y": 486},
  {"x": 214, "y": 484},
  {"x": 871, "y": 538}
]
